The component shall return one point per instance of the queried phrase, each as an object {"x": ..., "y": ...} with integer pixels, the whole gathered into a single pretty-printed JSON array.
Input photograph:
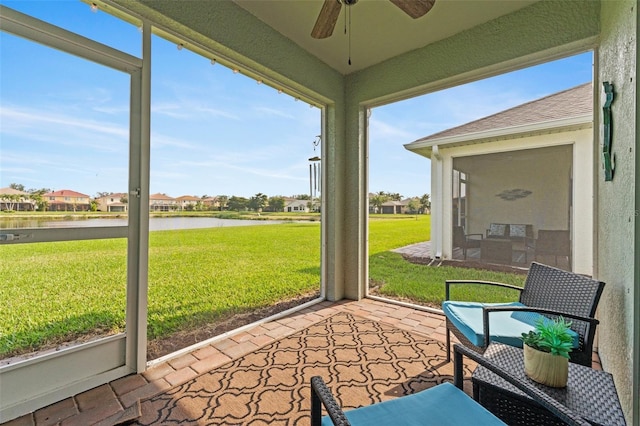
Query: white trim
[
  {"x": 42, "y": 32},
  {"x": 527, "y": 129},
  {"x": 23, "y": 361},
  {"x": 407, "y": 305},
  {"x": 30, "y": 384},
  {"x": 40, "y": 235},
  {"x": 17, "y": 410},
  {"x": 233, "y": 332},
  {"x": 437, "y": 207}
]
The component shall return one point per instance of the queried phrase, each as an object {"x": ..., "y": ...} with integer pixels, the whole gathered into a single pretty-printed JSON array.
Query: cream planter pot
[{"x": 543, "y": 367}]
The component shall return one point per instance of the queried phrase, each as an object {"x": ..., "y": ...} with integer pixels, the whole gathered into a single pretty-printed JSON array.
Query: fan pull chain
[
  {"x": 345, "y": 20},
  {"x": 349, "y": 12}
]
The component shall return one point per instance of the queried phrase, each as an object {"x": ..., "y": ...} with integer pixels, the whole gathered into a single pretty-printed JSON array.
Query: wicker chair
[
  {"x": 547, "y": 291},
  {"x": 443, "y": 404},
  {"x": 465, "y": 241},
  {"x": 553, "y": 243}
]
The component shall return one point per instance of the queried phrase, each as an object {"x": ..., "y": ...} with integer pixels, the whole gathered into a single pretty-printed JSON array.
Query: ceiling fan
[{"x": 330, "y": 11}]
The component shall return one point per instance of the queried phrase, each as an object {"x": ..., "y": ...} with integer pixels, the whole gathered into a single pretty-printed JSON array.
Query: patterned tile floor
[{"x": 107, "y": 403}]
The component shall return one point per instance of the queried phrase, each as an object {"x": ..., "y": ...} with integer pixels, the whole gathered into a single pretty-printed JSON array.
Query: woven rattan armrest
[
  {"x": 586, "y": 343},
  {"x": 448, "y": 283},
  {"x": 559, "y": 410},
  {"x": 321, "y": 395}
]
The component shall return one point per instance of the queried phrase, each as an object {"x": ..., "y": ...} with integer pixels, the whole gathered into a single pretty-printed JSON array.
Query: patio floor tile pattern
[{"x": 104, "y": 402}]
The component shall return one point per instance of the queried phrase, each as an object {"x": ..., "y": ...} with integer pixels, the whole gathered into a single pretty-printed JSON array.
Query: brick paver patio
[{"x": 108, "y": 403}]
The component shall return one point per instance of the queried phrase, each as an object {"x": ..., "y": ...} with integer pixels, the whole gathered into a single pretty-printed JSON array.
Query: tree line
[{"x": 258, "y": 202}]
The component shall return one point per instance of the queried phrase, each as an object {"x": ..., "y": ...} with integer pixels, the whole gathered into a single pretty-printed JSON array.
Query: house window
[{"x": 460, "y": 204}]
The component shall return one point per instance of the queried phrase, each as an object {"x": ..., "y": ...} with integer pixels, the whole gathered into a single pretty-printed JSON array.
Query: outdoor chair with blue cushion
[
  {"x": 444, "y": 404},
  {"x": 547, "y": 293}
]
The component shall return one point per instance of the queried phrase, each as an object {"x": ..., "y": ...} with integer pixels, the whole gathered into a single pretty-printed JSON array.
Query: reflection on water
[{"x": 155, "y": 223}]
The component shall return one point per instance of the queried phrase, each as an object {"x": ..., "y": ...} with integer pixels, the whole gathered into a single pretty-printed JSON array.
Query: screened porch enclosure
[{"x": 514, "y": 207}]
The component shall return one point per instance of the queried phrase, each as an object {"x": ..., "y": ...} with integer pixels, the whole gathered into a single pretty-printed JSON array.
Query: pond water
[{"x": 155, "y": 223}]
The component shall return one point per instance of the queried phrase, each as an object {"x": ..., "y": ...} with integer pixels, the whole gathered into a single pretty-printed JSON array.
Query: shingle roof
[
  {"x": 569, "y": 103},
  {"x": 11, "y": 191},
  {"x": 65, "y": 193},
  {"x": 160, "y": 196}
]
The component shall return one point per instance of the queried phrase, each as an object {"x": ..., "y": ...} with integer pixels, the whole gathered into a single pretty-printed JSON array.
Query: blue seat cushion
[
  {"x": 444, "y": 404},
  {"x": 504, "y": 327}
]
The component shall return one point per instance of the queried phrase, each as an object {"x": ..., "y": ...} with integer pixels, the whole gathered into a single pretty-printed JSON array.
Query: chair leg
[
  {"x": 316, "y": 408},
  {"x": 448, "y": 344}
]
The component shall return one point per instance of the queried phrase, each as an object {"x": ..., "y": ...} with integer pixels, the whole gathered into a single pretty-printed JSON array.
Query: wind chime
[{"x": 314, "y": 172}]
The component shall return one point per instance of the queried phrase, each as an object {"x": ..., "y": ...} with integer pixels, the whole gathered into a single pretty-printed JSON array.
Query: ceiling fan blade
[
  {"x": 327, "y": 19},
  {"x": 414, "y": 8}
]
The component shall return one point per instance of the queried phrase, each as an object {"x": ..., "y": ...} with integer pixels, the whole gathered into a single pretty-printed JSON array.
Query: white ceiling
[{"x": 379, "y": 29}]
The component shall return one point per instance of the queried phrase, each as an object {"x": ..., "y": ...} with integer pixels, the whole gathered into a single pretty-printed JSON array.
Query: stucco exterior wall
[
  {"x": 616, "y": 204},
  {"x": 482, "y": 51}
]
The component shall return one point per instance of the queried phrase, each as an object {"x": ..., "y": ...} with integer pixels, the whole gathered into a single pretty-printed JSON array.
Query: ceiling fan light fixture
[
  {"x": 414, "y": 8},
  {"x": 330, "y": 11}
]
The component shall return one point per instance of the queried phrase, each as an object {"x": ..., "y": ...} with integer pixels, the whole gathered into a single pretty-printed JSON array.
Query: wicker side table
[
  {"x": 496, "y": 250},
  {"x": 589, "y": 392}
]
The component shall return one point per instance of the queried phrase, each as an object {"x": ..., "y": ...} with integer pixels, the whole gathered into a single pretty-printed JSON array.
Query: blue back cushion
[{"x": 504, "y": 327}]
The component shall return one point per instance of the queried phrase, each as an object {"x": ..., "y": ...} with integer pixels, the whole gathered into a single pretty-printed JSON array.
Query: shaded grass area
[{"x": 390, "y": 275}]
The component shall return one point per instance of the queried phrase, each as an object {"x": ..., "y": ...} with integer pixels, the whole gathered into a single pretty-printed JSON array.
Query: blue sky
[{"x": 64, "y": 121}]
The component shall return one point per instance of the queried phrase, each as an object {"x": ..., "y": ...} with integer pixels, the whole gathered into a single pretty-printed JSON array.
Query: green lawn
[
  {"x": 55, "y": 292},
  {"x": 58, "y": 291},
  {"x": 394, "y": 277}
]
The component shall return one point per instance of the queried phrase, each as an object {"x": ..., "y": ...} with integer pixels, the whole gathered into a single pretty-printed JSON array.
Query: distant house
[
  {"x": 13, "y": 199},
  {"x": 162, "y": 203},
  {"x": 67, "y": 200},
  {"x": 529, "y": 165},
  {"x": 211, "y": 203},
  {"x": 187, "y": 202},
  {"x": 113, "y": 202},
  {"x": 392, "y": 207},
  {"x": 292, "y": 205}
]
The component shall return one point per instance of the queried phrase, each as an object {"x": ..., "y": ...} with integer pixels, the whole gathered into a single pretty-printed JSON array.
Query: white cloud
[
  {"x": 273, "y": 111},
  {"x": 20, "y": 118},
  {"x": 190, "y": 111},
  {"x": 112, "y": 110},
  {"x": 384, "y": 130},
  {"x": 217, "y": 113},
  {"x": 159, "y": 140}
]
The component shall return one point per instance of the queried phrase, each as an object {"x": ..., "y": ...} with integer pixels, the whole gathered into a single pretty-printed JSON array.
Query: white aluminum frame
[{"x": 44, "y": 379}]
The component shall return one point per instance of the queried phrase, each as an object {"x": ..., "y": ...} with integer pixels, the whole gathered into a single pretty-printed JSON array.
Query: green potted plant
[{"x": 546, "y": 352}]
